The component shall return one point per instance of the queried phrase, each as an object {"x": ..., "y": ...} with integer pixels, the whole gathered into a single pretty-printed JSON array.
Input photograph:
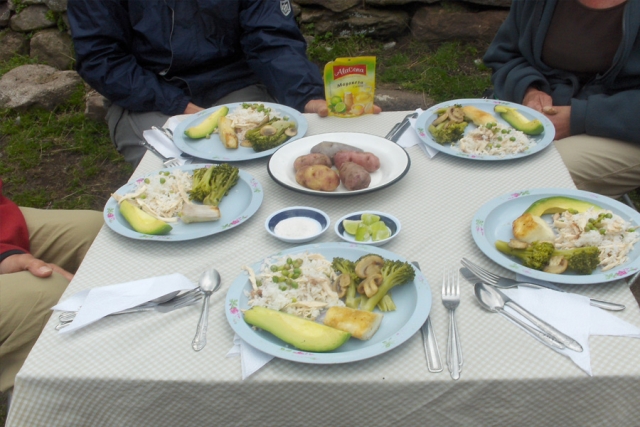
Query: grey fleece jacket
[{"x": 607, "y": 106}]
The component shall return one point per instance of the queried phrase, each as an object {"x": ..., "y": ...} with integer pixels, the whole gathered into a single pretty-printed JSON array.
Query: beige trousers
[
  {"x": 60, "y": 237},
  {"x": 601, "y": 165}
]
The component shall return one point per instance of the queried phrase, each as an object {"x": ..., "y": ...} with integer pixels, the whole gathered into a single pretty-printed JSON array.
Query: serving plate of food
[
  {"x": 164, "y": 193},
  {"x": 484, "y": 129},
  {"x": 412, "y": 300},
  {"x": 339, "y": 164},
  {"x": 269, "y": 125},
  {"x": 508, "y": 229}
]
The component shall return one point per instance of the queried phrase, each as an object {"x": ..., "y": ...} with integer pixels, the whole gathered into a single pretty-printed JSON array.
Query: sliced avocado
[
  {"x": 208, "y": 125},
  {"x": 301, "y": 333},
  {"x": 141, "y": 221},
  {"x": 518, "y": 121},
  {"x": 556, "y": 204}
]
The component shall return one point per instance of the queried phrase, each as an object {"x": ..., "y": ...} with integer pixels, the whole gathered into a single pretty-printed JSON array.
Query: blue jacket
[
  {"x": 607, "y": 106},
  {"x": 159, "y": 55}
]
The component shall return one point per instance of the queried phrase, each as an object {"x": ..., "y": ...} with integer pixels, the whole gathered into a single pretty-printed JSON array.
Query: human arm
[
  {"x": 102, "y": 36},
  {"x": 14, "y": 244}
]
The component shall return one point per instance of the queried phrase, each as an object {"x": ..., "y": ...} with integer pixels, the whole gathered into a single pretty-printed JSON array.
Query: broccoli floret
[
  {"x": 393, "y": 273},
  {"x": 536, "y": 255},
  {"x": 447, "y": 132},
  {"x": 344, "y": 266},
  {"x": 261, "y": 142},
  {"x": 386, "y": 304},
  {"x": 581, "y": 260},
  {"x": 212, "y": 184}
]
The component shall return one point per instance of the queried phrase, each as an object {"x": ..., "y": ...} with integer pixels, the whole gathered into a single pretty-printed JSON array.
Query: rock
[
  {"x": 56, "y": 5},
  {"x": 31, "y": 18},
  {"x": 11, "y": 44},
  {"x": 37, "y": 86},
  {"x": 53, "y": 48},
  {"x": 5, "y": 14},
  {"x": 492, "y": 3},
  {"x": 96, "y": 106},
  {"x": 390, "y": 97},
  {"x": 374, "y": 23},
  {"x": 332, "y": 5},
  {"x": 432, "y": 24}
]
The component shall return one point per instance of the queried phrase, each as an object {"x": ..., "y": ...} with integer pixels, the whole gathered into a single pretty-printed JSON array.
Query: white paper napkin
[
  {"x": 573, "y": 315},
  {"x": 94, "y": 304},
  {"x": 251, "y": 358},
  {"x": 410, "y": 138},
  {"x": 161, "y": 142}
]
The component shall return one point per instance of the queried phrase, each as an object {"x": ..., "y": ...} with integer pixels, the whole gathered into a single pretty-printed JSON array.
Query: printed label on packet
[{"x": 349, "y": 86}]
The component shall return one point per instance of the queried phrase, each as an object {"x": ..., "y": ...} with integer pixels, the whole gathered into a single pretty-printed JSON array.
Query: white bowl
[
  {"x": 313, "y": 218},
  {"x": 391, "y": 221}
]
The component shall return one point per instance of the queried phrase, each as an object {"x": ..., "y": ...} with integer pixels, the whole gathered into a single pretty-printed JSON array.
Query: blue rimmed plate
[
  {"x": 237, "y": 207},
  {"x": 213, "y": 149},
  {"x": 493, "y": 221},
  {"x": 541, "y": 141},
  {"x": 412, "y": 299}
]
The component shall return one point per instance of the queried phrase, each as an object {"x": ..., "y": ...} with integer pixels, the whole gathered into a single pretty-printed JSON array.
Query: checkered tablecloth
[{"x": 140, "y": 370}]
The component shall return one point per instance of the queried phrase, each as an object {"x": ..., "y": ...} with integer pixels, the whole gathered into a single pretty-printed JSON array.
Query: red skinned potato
[
  {"x": 318, "y": 177},
  {"x": 354, "y": 176},
  {"x": 367, "y": 160},
  {"x": 310, "y": 160},
  {"x": 330, "y": 149}
]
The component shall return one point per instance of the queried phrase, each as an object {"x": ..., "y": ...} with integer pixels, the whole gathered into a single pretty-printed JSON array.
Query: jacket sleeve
[
  {"x": 607, "y": 116},
  {"x": 276, "y": 52},
  {"x": 507, "y": 55},
  {"x": 14, "y": 234},
  {"x": 101, "y": 35}
]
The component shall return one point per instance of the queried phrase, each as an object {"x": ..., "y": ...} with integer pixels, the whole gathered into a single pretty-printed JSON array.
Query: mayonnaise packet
[{"x": 349, "y": 86}]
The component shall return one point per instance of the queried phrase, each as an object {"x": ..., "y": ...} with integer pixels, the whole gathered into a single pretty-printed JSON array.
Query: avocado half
[
  {"x": 208, "y": 125},
  {"x": 518, "y": 121},
  {"x": 556, "y": 204},
  {"x": 141, "y": 221},
  {"x": 301, "y": 333}
]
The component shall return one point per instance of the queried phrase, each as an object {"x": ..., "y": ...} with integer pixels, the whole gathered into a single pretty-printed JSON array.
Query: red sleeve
[{"x": 14, "y": 234}]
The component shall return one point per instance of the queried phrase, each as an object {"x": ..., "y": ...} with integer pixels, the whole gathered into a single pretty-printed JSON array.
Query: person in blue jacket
[
  {"x": 157, "y": 58},
  {"x": 578, "y": 61}
]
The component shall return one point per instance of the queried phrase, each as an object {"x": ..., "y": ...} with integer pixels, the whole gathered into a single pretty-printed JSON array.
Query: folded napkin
[
  {"x": 251, "y": 358},
  {"x": 410, "y": 138},
  {"x": 94, "y": 304},
  {"x": 573, "y": 315}
]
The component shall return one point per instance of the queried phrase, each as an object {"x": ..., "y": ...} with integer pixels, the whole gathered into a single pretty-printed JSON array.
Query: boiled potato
[
  {"x": 331, "y": 148},
  {"x": 311, "y": 159},
  {"x": 318, "y": 177},
  {"x": 369, "y": 161},
  {"x": 354, "y": 176}
]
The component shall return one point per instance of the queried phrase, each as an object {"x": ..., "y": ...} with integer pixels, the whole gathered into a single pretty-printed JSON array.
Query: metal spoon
[
  {"x": 501, "y": 300},
  {"x": 209, "y": 283},
  {"x": 489, "y": 301}
]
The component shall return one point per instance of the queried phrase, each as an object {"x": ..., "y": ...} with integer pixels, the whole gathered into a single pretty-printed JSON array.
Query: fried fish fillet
[
  {"x": 530, "y": 228},
  {"x": 477, "y": 116},
  {"x": 360, "y": 324}
]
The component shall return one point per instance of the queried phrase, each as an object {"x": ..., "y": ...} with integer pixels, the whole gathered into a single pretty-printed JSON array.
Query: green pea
[
  {"x": 147, "y": 181},
  {"x": 504, "y": 131},
  {"x": 286, "y": 273},
  {"x": 258, "y": 283},
  {"x": 274, "y": 268},
  {"x": 512, "y": 138},
  {"x": 608, "y": 215},
  {"x": 297, "y": 271},
  {"x": 143, "y": 196},
  {"x": 275, "y": 279},
  {"x": 162, "y": 180},
  {"x": 298, "y": 263},
  {"x": 283, "y": 288},
  {"x": 499, "y": 138},
  {"x": 293, "y": 284},
  {"x": 294, "y": 299},
  {"x": 289, "y": 261},
  {"x": 603, "y": 231},
  {"x": 295, "y": 276}
]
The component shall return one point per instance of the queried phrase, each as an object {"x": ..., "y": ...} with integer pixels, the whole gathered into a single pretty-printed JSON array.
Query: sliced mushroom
[
  {"x": 455, "y": 114},
  {"x": 369, "y": 265},
  {"x": 371, "y": 284},
  {"x": 441, "y": 118},
  {"x": 517, "y": 244},
  {"x": 341, "y": 284},
  {"x": 267, "y": 130},
  {"x": 557, "y": 265},
  {"x": 292, "y": 131}
]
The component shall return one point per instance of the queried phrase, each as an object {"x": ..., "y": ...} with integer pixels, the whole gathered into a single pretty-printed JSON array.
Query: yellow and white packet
[{"x": 349, "y": 86}]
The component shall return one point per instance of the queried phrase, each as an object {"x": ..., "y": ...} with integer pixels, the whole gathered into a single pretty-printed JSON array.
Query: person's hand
[
  {"x": 561, "y": 120},
  {"x": 27, "y": 262},
  {"x": 538, "y": 100},
  {"x": 319, "y": 106},
  {"x": 192, "y": 108}
]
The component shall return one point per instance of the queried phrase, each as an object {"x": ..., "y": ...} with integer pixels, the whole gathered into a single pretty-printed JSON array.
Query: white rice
[
  {"x": 499, "y": 140},
  {"x": 313, "y": 295},
  {"x": 244, "y": 119},
  {"x": 615, "y": 244}
]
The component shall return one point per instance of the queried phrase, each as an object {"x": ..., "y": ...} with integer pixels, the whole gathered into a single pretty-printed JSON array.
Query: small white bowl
[
  {"x": 391, "y": 221},
  {"x": 314, "y": 218}
]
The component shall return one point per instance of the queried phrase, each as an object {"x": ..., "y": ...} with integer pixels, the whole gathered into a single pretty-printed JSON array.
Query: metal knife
[
  {"x": 399, "y": 128},
  {"x": 434, "y": 364}
]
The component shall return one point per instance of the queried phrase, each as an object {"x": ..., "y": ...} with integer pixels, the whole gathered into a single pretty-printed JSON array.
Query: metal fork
[
  {"x": 451, "y": 301},
  {"x": 174, "y": 161},
  {"x": 504, "y": 282}
]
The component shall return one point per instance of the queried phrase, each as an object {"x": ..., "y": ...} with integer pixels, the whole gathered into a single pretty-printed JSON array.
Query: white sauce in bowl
[{"x": 297, "y": 227}]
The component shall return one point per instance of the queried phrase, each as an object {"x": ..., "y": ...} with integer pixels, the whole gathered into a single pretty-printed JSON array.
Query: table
[{"x": 140, "y": 370}]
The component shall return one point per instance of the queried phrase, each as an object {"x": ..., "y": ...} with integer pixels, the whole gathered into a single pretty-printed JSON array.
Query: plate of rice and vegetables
[
  {"x": 183, "y": 203},
  {"x": 328, "y": 303},
  {"x": 484, "y": 129},
  {"x": 560, "y": 235},
  {"x": 239, "y": 131}
]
